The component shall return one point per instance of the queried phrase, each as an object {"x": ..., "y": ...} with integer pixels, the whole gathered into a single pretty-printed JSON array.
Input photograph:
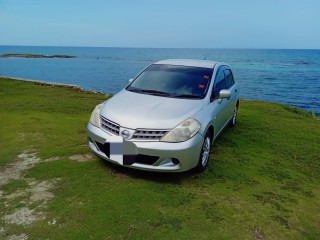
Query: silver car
[{"x": 168, "y": 116}]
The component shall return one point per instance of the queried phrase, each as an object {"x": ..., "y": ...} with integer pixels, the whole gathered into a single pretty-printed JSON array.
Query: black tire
[
  {"x": 233, "y": 120},
  {"x": 204, "y": 153}
]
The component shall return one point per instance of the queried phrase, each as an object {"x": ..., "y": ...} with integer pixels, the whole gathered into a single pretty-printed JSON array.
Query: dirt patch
[
  {"x": 18, "y": 237},
  {"x": 40, "y": 191},
  {"x": 258, "y": 235},
  {"x": 81, "y": 158},
  {"x": 15, "y": 170},
  {"x": 53, "y": 222},
  {"x": 32, "y": 198},
  {"x": 37, "y": 192},
  {"x": 16, "y": 194},
  {"x": 23, "y": 216},
  {"x": 22, "y": 236},
  {"x": 51, "y": 159}
]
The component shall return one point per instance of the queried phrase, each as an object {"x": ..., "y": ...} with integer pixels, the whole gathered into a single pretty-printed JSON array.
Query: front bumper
[{"x": 150, "y": 156}]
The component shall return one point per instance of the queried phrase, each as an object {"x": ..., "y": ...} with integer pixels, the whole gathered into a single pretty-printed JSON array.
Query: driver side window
[{"x": 219, "y": 84}]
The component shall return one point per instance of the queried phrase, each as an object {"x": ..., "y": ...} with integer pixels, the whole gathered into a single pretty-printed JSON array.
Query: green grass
[{"x": 262, "y": 181}]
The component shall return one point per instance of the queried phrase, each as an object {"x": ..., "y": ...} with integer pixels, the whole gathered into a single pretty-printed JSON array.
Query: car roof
[{"x": 191, "y": 62}]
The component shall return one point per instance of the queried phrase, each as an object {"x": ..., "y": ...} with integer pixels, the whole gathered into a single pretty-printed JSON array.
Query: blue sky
[{"x": 161, "y": 23}]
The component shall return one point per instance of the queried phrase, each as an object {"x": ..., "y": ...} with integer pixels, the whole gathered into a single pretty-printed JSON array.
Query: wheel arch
[{"x": 211, "y": 131}]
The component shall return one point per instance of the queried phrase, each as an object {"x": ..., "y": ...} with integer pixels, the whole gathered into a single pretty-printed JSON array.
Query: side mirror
[
  {"x": 224, "y": 93},
  {"x": 130, "y": 80}
]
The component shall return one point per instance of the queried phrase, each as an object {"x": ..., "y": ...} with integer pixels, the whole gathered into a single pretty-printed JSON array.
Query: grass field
[{"x": 262, "y": 181}]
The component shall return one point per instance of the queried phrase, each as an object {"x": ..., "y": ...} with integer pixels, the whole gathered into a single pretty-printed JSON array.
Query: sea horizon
[
  {"x": 288, "y": 76},
  {"x": 133, "y": 47}
]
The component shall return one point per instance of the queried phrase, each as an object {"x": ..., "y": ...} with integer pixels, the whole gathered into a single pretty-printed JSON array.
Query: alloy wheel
[{"x": 205, "y": 151}]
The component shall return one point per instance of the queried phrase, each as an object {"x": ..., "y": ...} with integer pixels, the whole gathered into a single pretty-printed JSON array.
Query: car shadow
[{"x": 160, "y": 177}]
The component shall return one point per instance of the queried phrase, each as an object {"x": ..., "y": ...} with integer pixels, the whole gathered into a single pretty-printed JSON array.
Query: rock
[{"x": 22, "y": 55}]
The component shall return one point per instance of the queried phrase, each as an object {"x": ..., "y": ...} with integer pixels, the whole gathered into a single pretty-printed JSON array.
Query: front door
[{"x": 220, "y": 106}]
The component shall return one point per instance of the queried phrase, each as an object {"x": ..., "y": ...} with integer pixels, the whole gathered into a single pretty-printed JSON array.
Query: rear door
[{"x": 230, "y": 85}]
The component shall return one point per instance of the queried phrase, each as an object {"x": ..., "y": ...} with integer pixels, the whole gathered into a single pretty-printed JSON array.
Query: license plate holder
[{"x": 121, "y": 151}]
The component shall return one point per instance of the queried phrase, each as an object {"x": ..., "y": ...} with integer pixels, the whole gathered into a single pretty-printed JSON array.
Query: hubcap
[{"x": 205, "y": 151}]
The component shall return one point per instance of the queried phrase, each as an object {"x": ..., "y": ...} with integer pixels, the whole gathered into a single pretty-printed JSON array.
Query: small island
[{"x": 26, "y": 55}]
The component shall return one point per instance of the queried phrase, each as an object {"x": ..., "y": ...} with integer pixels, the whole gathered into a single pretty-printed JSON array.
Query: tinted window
[
  {"x": 219, "y": 83},
  {"x": 229, "y": 78},
  {"x": 173, "y": 81}
]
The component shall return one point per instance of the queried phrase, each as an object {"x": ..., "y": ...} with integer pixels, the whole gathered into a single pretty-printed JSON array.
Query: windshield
[{"x": 173, "y": 81}]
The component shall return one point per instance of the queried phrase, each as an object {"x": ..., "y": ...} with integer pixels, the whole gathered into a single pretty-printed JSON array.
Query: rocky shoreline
[
  {"x": 43, "y": 83},
  {"x": 26, "y": 55},
  {"x": 54, "y": 84}
]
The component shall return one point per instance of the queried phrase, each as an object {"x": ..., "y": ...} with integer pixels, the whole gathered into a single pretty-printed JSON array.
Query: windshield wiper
[
  {"x": 160, "y": 93},
  {"x": 132, "y": 89},
  {"x": 186, "y": 96},
  {"x": 155, "y": 92}
]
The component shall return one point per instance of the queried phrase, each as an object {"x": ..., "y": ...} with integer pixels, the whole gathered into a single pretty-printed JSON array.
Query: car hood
[{"x": 135, "y": 110}]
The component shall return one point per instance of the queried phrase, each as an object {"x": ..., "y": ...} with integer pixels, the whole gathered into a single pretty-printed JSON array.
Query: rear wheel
[
  {"x": 205, "y": 153},
  {"x": 233, "y": 120}
]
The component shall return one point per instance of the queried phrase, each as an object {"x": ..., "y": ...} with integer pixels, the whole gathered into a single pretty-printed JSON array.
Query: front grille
[
  {"x": 110, "y": 126},
  {"x": 147, "y": 134},
  {"x": 139, "y": 134}
]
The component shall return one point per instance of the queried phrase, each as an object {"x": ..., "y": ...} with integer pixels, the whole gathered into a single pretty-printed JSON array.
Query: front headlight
[
  {"x": 183, "y": 132},
  {"x": 95, "y": 116}
]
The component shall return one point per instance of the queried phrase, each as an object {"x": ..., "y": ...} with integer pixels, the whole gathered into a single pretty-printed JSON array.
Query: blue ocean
[{"x": 285, "y": 76}]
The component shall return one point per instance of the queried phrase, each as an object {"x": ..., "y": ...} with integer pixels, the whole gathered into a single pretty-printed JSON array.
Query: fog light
[{"x": 175, "y": 161}]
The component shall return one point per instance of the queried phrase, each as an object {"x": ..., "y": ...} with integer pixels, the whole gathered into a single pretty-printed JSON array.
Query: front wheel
[{"x": 204, "y": 154}]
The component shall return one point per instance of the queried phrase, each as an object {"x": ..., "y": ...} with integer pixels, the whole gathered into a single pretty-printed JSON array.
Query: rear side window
[{"x": 229, "y": 78}]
